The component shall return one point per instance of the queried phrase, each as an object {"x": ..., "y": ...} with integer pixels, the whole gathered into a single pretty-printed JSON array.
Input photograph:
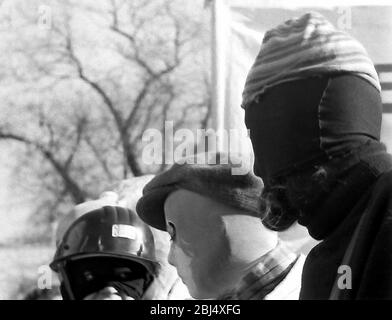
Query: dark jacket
[{"x": 358, "y": 211}]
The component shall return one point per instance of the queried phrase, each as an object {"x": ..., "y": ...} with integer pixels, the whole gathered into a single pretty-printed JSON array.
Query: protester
[
  {"x": 219, "y": 245},
  {"x": 106, "y": 253},
  {"x": 313, "y": 107}
]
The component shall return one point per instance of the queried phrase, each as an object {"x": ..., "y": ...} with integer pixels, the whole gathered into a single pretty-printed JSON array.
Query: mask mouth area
[{"x": 86, "y": 276}]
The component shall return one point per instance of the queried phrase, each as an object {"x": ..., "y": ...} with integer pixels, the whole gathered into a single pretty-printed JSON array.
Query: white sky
[{"x": 13, "y": 212}]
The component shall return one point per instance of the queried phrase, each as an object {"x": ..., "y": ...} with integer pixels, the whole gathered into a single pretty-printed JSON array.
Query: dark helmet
[{"x": 103, "y": 238}]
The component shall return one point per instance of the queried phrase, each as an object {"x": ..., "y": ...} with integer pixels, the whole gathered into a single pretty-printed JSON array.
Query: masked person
[
  {"x": 313, "y": 107},
  {"x": 105, "y": 252},
  {"x": 219, "y": 246}
]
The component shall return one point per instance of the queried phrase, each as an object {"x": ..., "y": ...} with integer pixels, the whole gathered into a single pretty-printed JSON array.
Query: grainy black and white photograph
[{"x": 199, "y": 150}]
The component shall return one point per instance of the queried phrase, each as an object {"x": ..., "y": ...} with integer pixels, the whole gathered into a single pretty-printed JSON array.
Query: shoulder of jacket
[{"x": 384, "y": 182}]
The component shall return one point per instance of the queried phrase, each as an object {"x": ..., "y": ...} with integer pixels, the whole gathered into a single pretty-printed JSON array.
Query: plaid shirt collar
[{"x": 264, "y": 275}]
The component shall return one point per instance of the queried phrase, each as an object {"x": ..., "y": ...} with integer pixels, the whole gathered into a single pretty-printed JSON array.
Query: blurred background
[{"x": 81, "y": 81}]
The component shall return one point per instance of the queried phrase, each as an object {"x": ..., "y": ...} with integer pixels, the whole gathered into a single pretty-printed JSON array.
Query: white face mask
[{"x": 199, "y": 250}]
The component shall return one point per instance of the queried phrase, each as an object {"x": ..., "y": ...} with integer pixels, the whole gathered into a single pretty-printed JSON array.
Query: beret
[{"x": 213, "y": 178}]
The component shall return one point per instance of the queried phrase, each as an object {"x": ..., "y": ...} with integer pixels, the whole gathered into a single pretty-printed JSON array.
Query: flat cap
[{"x": 211, "y": 175}]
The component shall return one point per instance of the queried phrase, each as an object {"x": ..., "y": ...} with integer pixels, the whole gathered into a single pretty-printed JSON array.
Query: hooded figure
[
  {"x": 313, "y": 107},
  {"x": 218, "y": 243}
]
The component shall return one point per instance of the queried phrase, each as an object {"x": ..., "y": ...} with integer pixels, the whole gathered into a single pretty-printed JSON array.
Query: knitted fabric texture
[{"x": 303, "y": 47}]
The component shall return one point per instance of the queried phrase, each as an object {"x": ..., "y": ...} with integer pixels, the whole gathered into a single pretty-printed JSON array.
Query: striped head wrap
[{"x": 303, "y": 47}]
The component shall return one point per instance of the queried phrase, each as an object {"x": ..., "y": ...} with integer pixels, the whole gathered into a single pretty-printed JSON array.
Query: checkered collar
[{"x": 264, "y": 275}]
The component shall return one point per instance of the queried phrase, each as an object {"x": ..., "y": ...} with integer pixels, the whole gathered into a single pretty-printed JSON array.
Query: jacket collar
[{"x": 264, "y": 275}]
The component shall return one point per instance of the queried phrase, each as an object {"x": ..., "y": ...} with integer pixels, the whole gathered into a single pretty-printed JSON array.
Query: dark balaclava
[
  {"x": 307, "y": 122},
  {"x": 89, "y": 275},
  {"x": 304, "y": 135},
  {"x": 311, "y": 98}
]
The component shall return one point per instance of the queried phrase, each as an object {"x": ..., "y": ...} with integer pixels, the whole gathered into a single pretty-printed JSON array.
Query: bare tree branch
[
  {"x": 80, "y": 128},
  {"x": 108, "y": 102},
  {"x": 76, "y": 192},
  {"x": 100, "y": 158},
  {"x": 77, "y": 152}
]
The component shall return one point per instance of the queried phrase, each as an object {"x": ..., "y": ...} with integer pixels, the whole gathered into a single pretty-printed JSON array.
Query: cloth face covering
[
  {"x": 87, "y": 276},
  {"x": 302, "y": 123}
]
